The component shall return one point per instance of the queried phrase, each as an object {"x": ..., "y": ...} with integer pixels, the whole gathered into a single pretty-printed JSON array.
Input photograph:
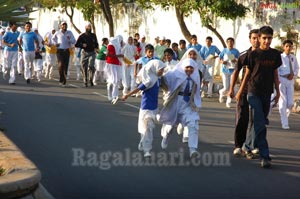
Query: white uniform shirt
[{"x": 284, "y": 69}]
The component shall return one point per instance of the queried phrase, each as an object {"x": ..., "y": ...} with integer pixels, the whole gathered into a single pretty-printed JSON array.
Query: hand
[
  {"x": 84, "y": 45},
  {"x": 225, "y": 62},
  {"x": 230, "y": 93},
  {"x": 290, "y": 77},
  {"x": 238, "y": 96},
  {"x": 124, "y": 97},
  {"x": 205, "y": 62},
  {"x": 233, "y": 61},
  {"x": 12, "y": 45}
]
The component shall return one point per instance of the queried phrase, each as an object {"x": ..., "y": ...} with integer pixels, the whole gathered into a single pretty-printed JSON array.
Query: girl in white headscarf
[
  {"x": 183, "y": 102},
  {"x": 113, "y": 67},
  {"x": 149, "y": 81}
]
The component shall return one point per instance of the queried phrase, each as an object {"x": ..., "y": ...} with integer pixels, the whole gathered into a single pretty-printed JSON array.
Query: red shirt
[{"x": 112, "y": 59}]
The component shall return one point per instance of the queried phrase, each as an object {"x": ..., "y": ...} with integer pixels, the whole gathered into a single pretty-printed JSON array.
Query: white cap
[{"x": 162, "y": 38}]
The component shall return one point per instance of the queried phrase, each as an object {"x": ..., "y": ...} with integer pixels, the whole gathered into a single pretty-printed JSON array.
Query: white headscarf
[
  {"x": 116, "y": 42},
  {"x": 199, "y": 59},
  {"x": 177, "y": 76},
  {"x": 148, "y": 74}
]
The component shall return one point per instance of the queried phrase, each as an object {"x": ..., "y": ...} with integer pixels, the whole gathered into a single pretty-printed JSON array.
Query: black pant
[
  {"x": 242, "y": 120},
  {"x": 88, "y": 65},
  {"x": 63, "y": 56}
]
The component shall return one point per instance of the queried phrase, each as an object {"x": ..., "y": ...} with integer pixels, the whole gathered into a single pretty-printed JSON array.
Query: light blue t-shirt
[
  {"x": 225, "y": 51},
  {"x": 144, "y": 60},
  {"x": 206, "y": 51},
  {"x": 11, "y": 37},
  {"x": 197, "y": 47},
  {"x": 28, "y": 39}
]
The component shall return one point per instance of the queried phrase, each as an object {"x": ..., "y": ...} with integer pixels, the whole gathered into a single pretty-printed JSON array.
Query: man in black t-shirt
[
  {"x": 261, "y": 75},
  {"x": 242, "y": 108}
]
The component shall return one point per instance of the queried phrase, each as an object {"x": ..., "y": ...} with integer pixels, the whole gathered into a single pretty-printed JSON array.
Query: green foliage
[{"x": 8, "y": 10}]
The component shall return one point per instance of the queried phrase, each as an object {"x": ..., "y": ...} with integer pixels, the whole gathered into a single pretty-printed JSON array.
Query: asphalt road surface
[{"x": 86, "y": 148}]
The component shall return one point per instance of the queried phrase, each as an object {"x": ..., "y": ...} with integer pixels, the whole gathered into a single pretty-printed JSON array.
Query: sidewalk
[{"x": 19, "y": 177}]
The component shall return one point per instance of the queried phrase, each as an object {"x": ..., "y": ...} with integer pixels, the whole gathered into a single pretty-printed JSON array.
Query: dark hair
[
  {"x": 253, "y": 31},
  {"x": 168, "y": 41},
  {"x": 136, "y": 34},
  {"x": 182, "y": 41},
  {"x": 137, "y": 43},
  {"x": 28, "y": 23},
  {"x": 229, "y": 38},
  {"x": 193, "y": 37},
  {"x": 169, "y": 50},
  {"x": 11, "y": 23},
  {"x": 149, "y": 47},
  {"x": 288, "y": 41},
  {"x": 267, "y": 30},
  {"x": 174, "y": 45},
  {"x": 104, "y": 39},
  {"x": 209, "y": 38}
]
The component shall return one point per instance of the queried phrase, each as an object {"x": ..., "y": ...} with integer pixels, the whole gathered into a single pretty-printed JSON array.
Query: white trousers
[
  {"x": 20, "y": 62},
  {"x": 28, "y": 57},
  {"x": 128, "y": 79},
  {"x": 99, "y": 73},
  {"x": 286, "y": 100},
  {"x": 146, "y": 124},
  {"x": 38, "y": 68},
  {"x": 51, "y": 61},
  {"x": 113, "y": 78},
  {"x": 11, "y": 59},
  {"x": 210, "y": 71},
  {"x": 226, "y": 85}
]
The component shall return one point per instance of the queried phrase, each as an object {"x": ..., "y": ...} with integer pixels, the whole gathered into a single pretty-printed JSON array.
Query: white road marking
[
  {"x": 133, "y": 106},
  {"x": 96, "y": 93},
  {"x": 73, "y": 85}
]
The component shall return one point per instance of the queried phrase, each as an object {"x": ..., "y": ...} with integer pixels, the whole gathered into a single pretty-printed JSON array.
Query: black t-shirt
[
  {"x": 262, "y": 64},
  {"x": 89, "y": 39},
  {"x": 243, "y": 58}
]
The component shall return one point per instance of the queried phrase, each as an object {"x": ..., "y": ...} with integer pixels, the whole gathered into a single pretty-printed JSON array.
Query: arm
[
  {"x": 234, "y": 77},
  {"x": 130, "y": 93},
  {"x": 243, "y": 84}
]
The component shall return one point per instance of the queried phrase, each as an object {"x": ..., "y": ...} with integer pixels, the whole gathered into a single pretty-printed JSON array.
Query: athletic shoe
[
  {"x": 285, "y": 127},
  {"x": 228, "y": 105},
  {"x": 147, "y": 154},
  {"x": 237, "y": 152},
  {"x": 255, "y": 151},
  {"x": 265, "y": 163},
  {"x": 140, "y": 146},
  {"x": 221, "y": 99},
  {"x": 179, "y": 129},
  {"x": 193, "y": 153}
]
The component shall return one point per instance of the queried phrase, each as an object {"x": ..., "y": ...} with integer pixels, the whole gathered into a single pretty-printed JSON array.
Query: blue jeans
[{"x": 260, "y": 106}]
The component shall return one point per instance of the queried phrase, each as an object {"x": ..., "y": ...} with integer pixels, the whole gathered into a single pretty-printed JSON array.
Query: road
[{"x": 86, "y": 148}]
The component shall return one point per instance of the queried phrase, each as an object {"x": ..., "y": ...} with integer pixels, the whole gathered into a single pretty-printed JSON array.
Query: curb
[{"x": 20, "y": 177}]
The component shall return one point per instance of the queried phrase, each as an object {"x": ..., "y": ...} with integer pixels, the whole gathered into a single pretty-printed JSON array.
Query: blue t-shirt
[
  {"x": 11, "y": 37},
  {"x": 197, "y": 47},
  {"x": 28, "y": 39},
  {"x": 150, "y": 96},
  {"x": 225, "y": 51},
  {"x": 206, "y": 51},
  {"x": 144, "y": 60}
]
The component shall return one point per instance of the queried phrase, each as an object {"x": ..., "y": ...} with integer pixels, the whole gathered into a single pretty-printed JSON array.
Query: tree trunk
[
  {"x": 180, "y": 18},
  {"x": 108, "y": 16},
  {"x": 214, "y": 30},
  {"x": 70, "y": 15}
]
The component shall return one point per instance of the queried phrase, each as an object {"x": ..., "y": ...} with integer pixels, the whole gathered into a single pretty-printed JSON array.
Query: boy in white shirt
[{"x": 287, "y": 72}]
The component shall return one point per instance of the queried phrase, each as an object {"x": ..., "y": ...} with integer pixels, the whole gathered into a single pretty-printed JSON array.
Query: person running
[
  {"x": 64, "y": 40},
  {"x": 51, "y": 50},
  {"x": 183, "y": 103},
  {"x": 100, "y": 62},
  {"x": 149, "y": 82},
  {"x": 10, "y": 41},
  {"x": 30, "y": 44}
]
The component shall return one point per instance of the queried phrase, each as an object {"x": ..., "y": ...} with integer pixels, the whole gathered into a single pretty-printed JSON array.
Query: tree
[
  {"x": 207, "y": 10},
  {"x": 10, "y": 10}
]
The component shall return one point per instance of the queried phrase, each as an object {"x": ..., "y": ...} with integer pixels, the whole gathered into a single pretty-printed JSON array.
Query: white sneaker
[
  {"x": 255, "y": 151},
  {"x": 164, "y": 143},
  {"x": 115, "y": 100},
  {"x": 185, "y": 139},
  {"x": 228, "y": 105},
  {"x": 285, "y": 127},
  {"x": 147, "y": 154},
  {"x": 237, "y": 151}
]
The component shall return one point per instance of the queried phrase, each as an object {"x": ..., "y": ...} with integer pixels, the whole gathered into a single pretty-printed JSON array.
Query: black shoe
[
  {"x": 28, "y": 81},
  {"x": 92, "y": 84},
  {"x": 12, "y": 83},
  {"x": 265, "y": 163}
]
